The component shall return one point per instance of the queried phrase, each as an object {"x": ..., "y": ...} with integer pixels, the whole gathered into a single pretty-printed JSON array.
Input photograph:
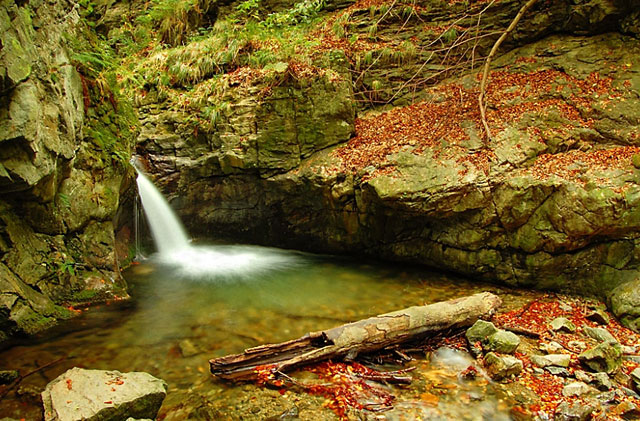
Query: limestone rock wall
[{"x": 60, "y": 192}]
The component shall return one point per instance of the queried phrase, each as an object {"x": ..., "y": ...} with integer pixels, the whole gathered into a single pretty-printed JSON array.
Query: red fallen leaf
[
  {"x": 108, "y": 402},
  {"x": 69, "y": 384}
]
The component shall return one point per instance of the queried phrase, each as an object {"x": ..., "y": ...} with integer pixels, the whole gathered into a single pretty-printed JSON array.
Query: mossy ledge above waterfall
[{"x": 66, "y": 137}]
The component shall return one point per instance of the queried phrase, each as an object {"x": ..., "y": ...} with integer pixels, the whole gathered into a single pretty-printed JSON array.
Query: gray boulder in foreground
[{"x": 100, "y": 395}]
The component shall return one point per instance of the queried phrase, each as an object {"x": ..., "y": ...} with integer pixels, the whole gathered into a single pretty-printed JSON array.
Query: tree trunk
[{"x": 363, "y": 336}]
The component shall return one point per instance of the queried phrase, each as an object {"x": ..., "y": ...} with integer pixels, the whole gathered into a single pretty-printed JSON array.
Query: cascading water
[
  {"x": 201, "y": 262},
  {"x": 166, "y": 229}
]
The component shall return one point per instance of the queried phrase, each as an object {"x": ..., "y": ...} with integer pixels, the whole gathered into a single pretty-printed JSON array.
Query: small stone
[
  {"x": 578, "y": 345},
  {"x": 562, "y": 324},
  {"x": 558, "y": 371},
  {"x": 559, "y": 360},
  {"x": 602, "y": 381},
  {"x": 628, "y": 410},
  {"x": 565, "y": 306},
  {"x": 599, "y": 316},
  {"x": 551, "y": 348},
  {"x": 503, "y": 341},
  {"x": 7, "y": 376},
  {"x": 583, "y": 376},
  {"x": 575, "y": 389},
  {"x": 500, "y": 367},
  {"x": 635, "y": 160},
  {"x": 599, "y": 334},
  {"x": 575, "y": 411},
  {"x": 187, "y": 348},
  {"x": 608, "y": 397},
  {"x": 635, "y": 376},
  {"x": 628, "y": 349},
  {"x": 605, "y": 357},
  {"x": 480, "y": 331}
]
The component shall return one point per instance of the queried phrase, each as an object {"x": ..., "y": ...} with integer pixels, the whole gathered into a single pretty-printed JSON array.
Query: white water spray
[
  {"x": 201, "y": 262},
  {"x": 166, "y": 229}
]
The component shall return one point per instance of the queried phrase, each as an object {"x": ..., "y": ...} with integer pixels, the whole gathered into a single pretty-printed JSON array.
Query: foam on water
[
  {"x": 207, "y": 263},
  {"x": 202, "y": 262}
]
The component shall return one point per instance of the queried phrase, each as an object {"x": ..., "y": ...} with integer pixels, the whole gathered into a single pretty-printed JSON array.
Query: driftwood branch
[
  {"x": 487, "y": 63},
  {"x": 363, "y": 336}
]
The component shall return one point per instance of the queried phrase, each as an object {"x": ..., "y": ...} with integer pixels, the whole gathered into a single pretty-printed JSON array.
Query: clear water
[{"x": 178, "y": 319}]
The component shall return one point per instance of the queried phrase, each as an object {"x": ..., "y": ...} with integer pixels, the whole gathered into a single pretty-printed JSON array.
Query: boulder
[
  {"x": 503, "y": 342},
  {"x": 502, "y": 366},
  {"x": 605, "y": 357},
  {"x": 602, "y": 381},
  {"x": 625, "y": 304},
  {"x": 480, "y": 331},
  {"x": 99, "y": 395}
]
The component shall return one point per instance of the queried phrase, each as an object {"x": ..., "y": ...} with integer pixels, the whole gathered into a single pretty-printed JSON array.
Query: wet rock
[
  {"x": 625, "y": 304},
  {"x": 80, "y": 394},
  {"x": 559, "y": 360},
  {"x": 599, "y": 334},
  {"x": 7, "y": 376},
  {"x": 188, "y": 348},
  {"x": 502, "y": 366},
  {"x": 574, "y": 411},
  {"x": 576, "y": 389},
  {"x": 480, "y": 332},
  {"x": 602, "y": 381},
  {"x": 503, "y": 341},
  {"x": 290, "y": 414},
  {"x": 599, "y": 316},
  {"x": 605, "y": 357},
  {"x": 562, "y": 324}
]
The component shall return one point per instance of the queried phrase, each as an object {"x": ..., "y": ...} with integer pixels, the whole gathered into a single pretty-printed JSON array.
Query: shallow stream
[{"x": 180, "y": 316}]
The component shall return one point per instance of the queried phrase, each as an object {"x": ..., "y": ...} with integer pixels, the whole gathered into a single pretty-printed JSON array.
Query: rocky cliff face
[
  {"x": 550, "y": 201},
  {"x": 61, "y": 186}
]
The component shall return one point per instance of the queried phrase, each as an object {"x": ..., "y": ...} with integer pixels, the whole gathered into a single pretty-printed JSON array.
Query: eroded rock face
[
  {"x": 60, "y": 192},
  {"x": 551, "y": 202}
]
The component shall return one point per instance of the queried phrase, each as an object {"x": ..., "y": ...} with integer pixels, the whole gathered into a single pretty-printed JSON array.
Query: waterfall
[
  {"x": 205, "y": 263},
  {"x": 166, "y": 229}
]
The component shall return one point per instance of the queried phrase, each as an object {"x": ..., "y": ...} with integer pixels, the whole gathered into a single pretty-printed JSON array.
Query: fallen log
[{"x": 358, "y": 337}]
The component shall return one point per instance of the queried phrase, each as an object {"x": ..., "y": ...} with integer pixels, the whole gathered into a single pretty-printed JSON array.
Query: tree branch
[{"x": 487, "y": 63}]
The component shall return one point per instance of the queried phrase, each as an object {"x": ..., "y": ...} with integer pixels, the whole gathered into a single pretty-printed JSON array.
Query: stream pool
[{"x": 181, "y": 316}]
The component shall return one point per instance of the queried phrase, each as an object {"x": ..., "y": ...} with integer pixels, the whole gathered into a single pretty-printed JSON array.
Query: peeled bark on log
[{"x": 362, "y": 336}]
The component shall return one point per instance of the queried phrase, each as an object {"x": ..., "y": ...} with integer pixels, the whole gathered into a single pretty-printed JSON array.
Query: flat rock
[
  {"x": 599, "y": 316},
  {"x": 562, "y": 324},
  {"x": 599, "y": 334},
  {"x": 558, "y": 360},
  {"x": 576, "y": 389},
  {"x": 635, "y": 376},
  {"x": 100, "y": 395}
]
